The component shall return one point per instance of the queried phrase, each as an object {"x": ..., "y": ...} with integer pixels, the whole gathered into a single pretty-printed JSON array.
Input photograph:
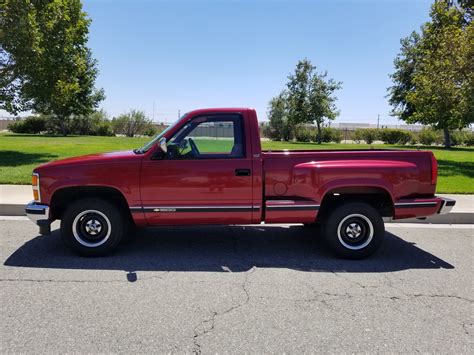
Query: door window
[{"x": 209, "y": 137}]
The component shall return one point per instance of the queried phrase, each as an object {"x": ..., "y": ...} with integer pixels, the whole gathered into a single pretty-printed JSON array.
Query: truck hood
[{"x": 99, "y": 158}]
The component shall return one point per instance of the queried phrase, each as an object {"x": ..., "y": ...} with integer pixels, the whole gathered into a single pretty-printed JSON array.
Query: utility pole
[
  {"x": 378, "y": 121},
  {"x": 153, "y": 111},
  {"x": 179, "y": 113}
]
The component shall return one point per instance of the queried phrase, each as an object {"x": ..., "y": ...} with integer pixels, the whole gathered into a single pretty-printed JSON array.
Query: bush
[
  {"x": 31, "y": 125},
  {"x": 469, "y": 140},
  {"x": 303, "y": 134},
  {"x": 151, "y": 131},
  {"x": 104, "y": 129},
  {"x": 132, "y": 123},
  {"x": 329, "y": 134},
  {"x": 414, "y": 138},
  {"x": 427, "y": 136},
  {"x": 336, "y": 135},
  {"x": 405, "y": 137},
  {"x": 369, "y": 135},
  {"x": 462, "y": 138},
  {"x": 277, "y": 130},
  {"x": 394, "y": 136}
]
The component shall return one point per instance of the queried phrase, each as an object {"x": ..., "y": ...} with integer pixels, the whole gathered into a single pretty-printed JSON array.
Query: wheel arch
[
  {"x": 376, "y": 196},
  {"x": 64, "y": 196}
]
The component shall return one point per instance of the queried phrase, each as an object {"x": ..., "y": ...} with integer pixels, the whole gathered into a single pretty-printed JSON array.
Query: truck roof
[{"x": 220, "y": 109}]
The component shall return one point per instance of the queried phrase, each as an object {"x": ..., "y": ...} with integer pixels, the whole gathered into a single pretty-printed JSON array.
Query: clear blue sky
[{"x": 191, "y": 54}]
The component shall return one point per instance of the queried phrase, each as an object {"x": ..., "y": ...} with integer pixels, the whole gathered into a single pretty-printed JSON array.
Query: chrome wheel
[
  {"x": 91, "y": 228},
  {"x": 355, "y": 231}
]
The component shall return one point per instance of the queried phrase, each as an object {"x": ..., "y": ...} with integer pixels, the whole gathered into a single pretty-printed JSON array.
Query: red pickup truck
[{"x": 209, "y": 168}]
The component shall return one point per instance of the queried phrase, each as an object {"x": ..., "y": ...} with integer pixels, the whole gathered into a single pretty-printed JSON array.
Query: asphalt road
[{"x": 238, "y": 289}]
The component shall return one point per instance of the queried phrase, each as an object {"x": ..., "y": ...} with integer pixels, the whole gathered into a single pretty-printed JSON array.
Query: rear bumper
[
  {"x": 446, "y": 205},
  {"x": 419, "y": 208},
  {"x": 39, "y": 214}
]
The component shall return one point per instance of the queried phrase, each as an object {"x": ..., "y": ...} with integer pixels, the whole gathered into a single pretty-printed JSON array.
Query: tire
[
  {"x": 93, "y": 227},
  {"x": 354, "y": 230}
]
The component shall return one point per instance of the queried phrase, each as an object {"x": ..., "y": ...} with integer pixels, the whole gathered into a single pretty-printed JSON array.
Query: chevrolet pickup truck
[{"x": 209, "y": 168}]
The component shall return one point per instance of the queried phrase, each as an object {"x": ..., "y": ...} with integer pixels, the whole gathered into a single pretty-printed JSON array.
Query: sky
[{"x": 177, "y": 56}]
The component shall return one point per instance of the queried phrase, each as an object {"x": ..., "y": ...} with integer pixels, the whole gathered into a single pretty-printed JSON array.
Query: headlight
[{"x": 35, "y": 183}]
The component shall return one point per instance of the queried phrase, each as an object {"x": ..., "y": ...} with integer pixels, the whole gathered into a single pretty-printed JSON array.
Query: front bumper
[{"x": 39, "y": 214}]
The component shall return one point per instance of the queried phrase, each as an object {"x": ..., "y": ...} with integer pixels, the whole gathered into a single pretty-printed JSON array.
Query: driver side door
[{"x": 205, "y": 177}]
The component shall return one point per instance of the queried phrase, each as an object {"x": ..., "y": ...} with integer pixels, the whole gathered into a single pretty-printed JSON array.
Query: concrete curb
[
  {"x": 457, "y": 217},
  {"x": 12, "y": 210}
]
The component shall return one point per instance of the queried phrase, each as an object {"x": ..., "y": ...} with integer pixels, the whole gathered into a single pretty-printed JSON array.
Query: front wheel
[
  {"x": 354, "y": 230},
  {"x": 92, "y": 227}
]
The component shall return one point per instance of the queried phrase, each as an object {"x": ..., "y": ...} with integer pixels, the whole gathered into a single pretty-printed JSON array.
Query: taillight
[{"x": 434, "y": 169}]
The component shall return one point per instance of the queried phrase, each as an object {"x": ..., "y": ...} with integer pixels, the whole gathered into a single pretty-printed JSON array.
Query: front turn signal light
[
  {"x": 34, "y": 180},
  {"x": 36, "y": 187}
]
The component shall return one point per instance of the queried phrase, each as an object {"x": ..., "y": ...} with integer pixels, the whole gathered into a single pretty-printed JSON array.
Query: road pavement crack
[
  {"x": 208, "y": 324},
  {"x": 440, "y": 296}
]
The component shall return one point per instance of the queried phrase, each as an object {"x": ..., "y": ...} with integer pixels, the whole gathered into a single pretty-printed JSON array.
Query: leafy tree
[
  {"x": 308, "y": 98},
  {"x": 279, "y": 126},
  {"x": 45, "y": 64},
  {"x": 405, "y": 64},
  {"x": 434, "y": 77},
  {"x": 132, "y": 123}
]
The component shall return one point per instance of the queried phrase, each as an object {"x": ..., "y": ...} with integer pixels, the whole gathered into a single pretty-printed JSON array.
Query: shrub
[
  {"x": 151, "y": 131},
  {"x": 457, "y": 138},
  {"x": 394, "y": 136},
  {"x": 32, "y": 125},
  {"x": 405, "y": 137},
  {"x": 336, "y": 135},
  {"x": 427, "y": 136},
  {"x": 104, "y": 128},
  {"x": 132, "y": 123},
  {"x": 369, "y": 135},
  {"x": 329, "y": 134},
  {"x": 462, "y": 138},
  {"x": 469, "y": 139},
  {"x": 303, "y": 134}
]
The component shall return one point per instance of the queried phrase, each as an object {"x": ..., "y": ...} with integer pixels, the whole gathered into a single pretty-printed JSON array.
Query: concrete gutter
[{"x": 13, "y": 199}]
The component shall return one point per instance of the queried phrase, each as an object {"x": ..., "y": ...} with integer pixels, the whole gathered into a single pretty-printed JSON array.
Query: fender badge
[{"x": 164, "y": 210}]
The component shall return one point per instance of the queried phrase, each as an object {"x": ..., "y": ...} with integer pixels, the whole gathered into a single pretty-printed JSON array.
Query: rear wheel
[
  {"x": 354, "y": 230},
  {"x": 93, "y": 227}
]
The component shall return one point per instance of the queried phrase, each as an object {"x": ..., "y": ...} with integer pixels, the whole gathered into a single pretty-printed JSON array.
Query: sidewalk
[{"x": 13, "y": 199}]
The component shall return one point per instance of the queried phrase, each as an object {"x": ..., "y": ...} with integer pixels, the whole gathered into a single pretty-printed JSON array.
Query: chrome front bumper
[
  {"x": 447, "y": 205},
  {"x": 39, "y": 214}
]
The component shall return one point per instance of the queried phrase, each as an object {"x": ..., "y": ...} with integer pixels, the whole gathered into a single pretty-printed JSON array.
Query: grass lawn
[{"x": 19, "y": 154}]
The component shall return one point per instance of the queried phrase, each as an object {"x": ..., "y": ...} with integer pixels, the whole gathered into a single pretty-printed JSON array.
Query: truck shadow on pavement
[{"x": 224, "y": 249}]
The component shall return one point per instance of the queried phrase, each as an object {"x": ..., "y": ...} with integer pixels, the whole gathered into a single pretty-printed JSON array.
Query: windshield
[{"x": 150, "y": 144}]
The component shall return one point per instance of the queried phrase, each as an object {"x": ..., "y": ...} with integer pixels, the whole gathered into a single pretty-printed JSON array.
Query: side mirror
[{"x": 162, "y": 145}]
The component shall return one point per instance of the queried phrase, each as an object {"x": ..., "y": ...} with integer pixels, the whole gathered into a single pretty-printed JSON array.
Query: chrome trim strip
[
  {"x": 292, "y": 206},
  {"x": 167, "y": 209},
  {"x": 415, "y": 204}
]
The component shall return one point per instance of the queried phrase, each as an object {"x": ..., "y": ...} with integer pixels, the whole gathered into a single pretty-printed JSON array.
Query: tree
[
  {"x": 132, "y": 123},
  {"x": 308, "y": 98},
  {"x": 45, "y": 64},
  {"x": 434, "y": 77},
  {"x": 405, "y": 64},
  {"x": 278, "y": 118}
]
